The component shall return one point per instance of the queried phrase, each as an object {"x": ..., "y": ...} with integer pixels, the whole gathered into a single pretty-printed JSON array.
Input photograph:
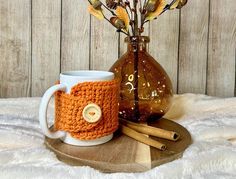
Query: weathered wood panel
[
  {"x": 164, "y": 34},
  {"x": 222, "y": 45},
  {"x": 64, "y": 38},
  {"x": 104, "y": 45},
  {"x": 75, "y": 35},
  {"x": 15, "y": 48},
  {"x": 193, "y": 47},
  {"x": 46, "y": 23}
]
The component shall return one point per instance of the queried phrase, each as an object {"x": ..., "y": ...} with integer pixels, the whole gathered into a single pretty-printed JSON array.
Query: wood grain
[
  {"x": 46, "y": 24},
  {"x": 173, "y": 149},
  {"x": 75, "y": 35},
  {"x": 123, "y": 154},
  {"x": 222, "y": 46},
  {"x": 104, "y": 45},
  {"x": 15, "y": 48},
  {"x": 164, "y": 35},
  {"x": 193, "y": 47},
  {"x": 205, "y": 64}
]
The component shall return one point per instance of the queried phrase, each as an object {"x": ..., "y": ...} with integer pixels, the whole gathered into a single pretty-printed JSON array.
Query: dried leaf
[
  {"x": 181, "y": 4},
  {"x": 119, "y": 24},
  {"x": 96, "y": 4},
  {"x": 151, "y": 15},
  {"x": 97, "y": 13},
  {"x": 151, "y": 5},
  {"x": 174, "y": 5},
  {"x": 123, "y": 15}
]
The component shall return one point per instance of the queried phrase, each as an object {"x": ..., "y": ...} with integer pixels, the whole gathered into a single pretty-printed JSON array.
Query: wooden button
[{"x": 92, "y": 113}]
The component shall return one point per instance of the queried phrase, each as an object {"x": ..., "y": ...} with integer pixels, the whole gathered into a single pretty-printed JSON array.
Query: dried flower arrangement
[
  {"x": 137, "y": 102},
  {"x": 128, "y": 16}
]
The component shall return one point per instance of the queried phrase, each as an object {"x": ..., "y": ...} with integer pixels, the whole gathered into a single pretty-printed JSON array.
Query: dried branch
[
  {"x": 127, "y": 3},
  {"x": 133, "y": 12},
  {"x": 136, "y": 30},
  {"x": 144, "y": 4},
  {"x": 112, "y": 12},
  {"x": 119, "y": 30},
  {"x": 140, "y": 6}
]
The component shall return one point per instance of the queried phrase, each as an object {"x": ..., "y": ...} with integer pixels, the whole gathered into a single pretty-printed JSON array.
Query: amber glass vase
[{"x": 145, "y": 89}]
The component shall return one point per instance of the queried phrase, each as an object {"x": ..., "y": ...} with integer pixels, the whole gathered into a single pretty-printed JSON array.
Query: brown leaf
[
  {"x": 123, "y": 15},
  {"x": 118, "y": 23},
  {"x": 151, "y": 5},
  {"x": 161, "y": 5}
]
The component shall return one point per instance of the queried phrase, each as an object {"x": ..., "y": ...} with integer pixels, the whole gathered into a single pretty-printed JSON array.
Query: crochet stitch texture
[{"x": 69, "y": 107}]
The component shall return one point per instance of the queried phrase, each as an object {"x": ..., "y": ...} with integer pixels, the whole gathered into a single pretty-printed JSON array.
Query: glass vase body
[{"x": 145, "y": 88}]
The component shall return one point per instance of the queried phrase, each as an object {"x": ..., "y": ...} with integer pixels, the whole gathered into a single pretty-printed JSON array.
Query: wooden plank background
[{"x": 41, "y": 38}]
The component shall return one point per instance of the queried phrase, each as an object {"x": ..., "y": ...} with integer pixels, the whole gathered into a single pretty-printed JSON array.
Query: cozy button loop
[{"x": 92, "y": 113}]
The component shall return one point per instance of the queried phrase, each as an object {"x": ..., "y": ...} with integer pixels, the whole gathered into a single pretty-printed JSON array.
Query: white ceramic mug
[{"x": 67, "y": 81}]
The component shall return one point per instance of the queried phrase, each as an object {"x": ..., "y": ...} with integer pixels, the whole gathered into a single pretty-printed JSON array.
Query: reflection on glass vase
[{"x": 145, "y": 90}]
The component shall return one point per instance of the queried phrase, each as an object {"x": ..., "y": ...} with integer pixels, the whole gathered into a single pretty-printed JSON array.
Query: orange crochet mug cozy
[
  {"x": 86, "y": 108},
  {"x": 90, "y": 111}
]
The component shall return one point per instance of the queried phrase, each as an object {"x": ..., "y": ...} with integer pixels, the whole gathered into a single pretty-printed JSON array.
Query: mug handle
[{"x": 43, "y": 112}]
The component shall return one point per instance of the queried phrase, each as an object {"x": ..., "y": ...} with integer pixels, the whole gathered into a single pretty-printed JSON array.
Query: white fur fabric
[{"x": 211, "y": 122}]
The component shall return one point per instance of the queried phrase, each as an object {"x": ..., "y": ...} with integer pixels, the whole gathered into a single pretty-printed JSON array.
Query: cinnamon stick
[
  {"x": 142, "y": 138},
  {"x": 153, "y": 131}
]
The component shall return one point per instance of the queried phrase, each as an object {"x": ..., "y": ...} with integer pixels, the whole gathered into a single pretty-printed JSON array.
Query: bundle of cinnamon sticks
[{"x": 139, "y": 131}]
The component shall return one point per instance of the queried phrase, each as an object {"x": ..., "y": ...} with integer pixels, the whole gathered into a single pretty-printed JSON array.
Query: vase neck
[{"x": 137, "y": 43}]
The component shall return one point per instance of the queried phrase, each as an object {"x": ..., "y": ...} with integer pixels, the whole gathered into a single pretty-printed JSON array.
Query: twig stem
[
  {"x": 114, "y": 26},
  {"x": 136, "y": 31},
  {"x": 114, "y": 14}
]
